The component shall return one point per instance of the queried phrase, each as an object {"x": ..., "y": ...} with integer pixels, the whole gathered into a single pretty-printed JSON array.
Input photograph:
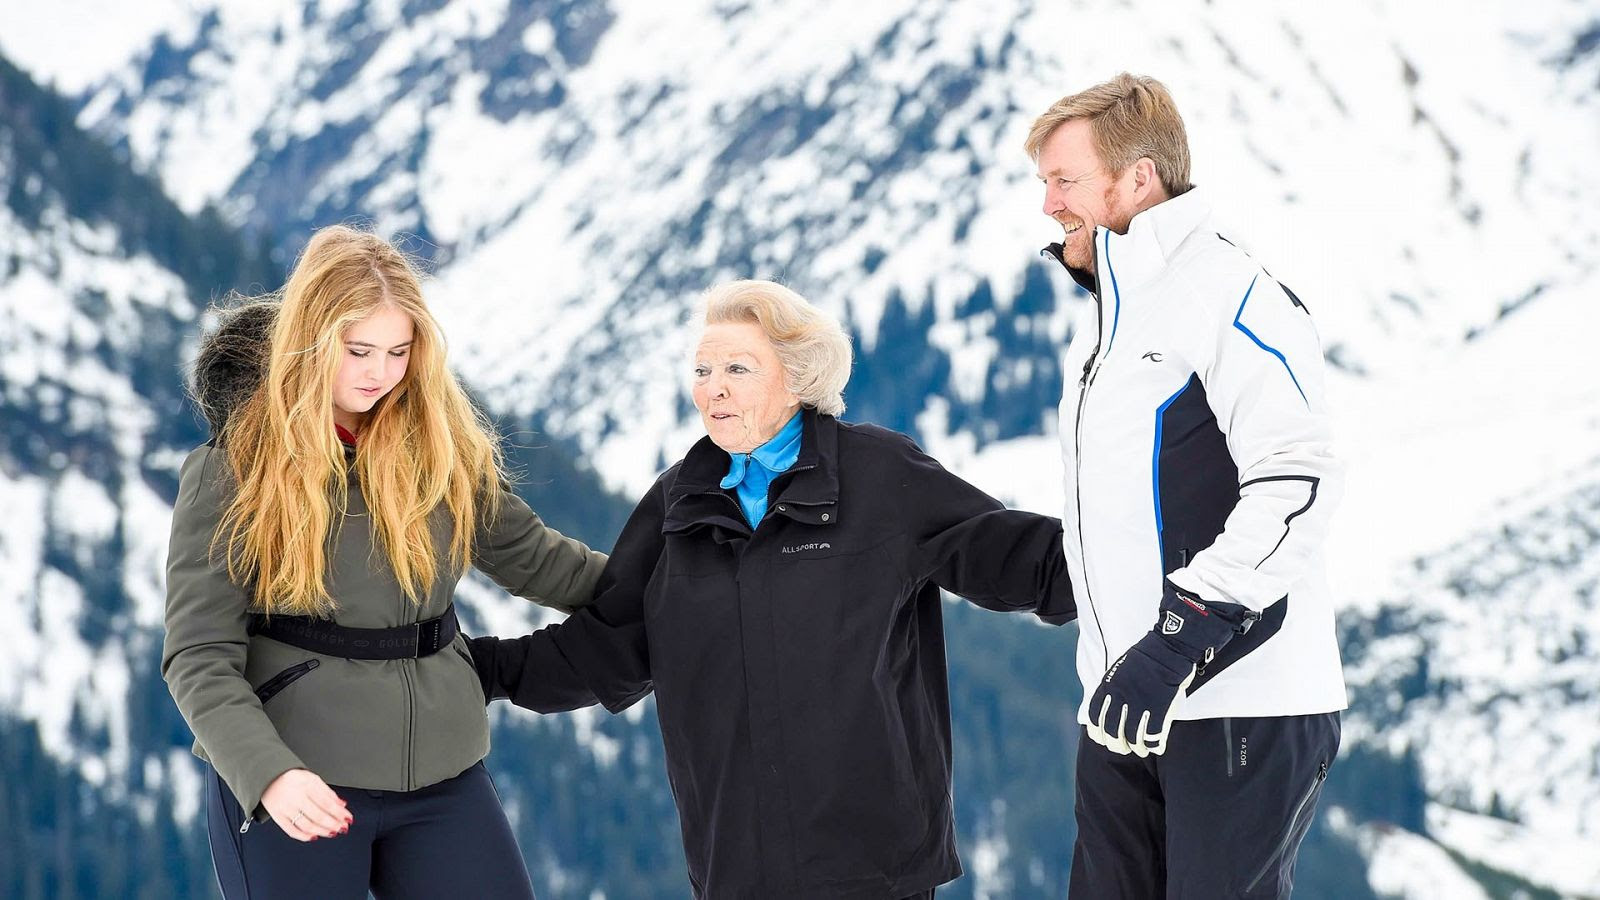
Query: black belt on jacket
[{"x": 332, "y": 639}]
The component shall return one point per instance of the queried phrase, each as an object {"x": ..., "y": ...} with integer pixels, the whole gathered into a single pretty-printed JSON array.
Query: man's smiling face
[{"x": 1079, "y": 193}]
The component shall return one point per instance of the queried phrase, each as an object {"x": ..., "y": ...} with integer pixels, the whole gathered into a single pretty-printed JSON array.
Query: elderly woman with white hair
[{"x": 778, "y": 589}]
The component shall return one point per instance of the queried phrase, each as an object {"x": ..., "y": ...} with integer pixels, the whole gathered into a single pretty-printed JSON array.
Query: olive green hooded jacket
[{"x": 259, "y": 707}]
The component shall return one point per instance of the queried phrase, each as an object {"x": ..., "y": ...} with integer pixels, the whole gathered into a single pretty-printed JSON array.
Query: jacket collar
[
  {"x": 232, "y": 360},
  {"x": 1141, "y": 255},
  {"x": 775, "y": 456},
  {"x": 808, "y": 492}
]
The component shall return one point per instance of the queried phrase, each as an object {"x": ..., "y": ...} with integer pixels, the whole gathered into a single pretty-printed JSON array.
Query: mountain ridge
[{"x": 1429, "y": 204}]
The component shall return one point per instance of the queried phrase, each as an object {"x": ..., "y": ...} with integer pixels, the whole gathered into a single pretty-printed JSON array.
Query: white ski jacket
[{"x": 1195, "y": 437}]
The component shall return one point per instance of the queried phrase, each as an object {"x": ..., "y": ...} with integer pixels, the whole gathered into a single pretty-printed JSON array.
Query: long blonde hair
[{"x": 424, "y": 447}]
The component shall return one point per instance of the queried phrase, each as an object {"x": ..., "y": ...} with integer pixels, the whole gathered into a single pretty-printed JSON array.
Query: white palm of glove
[{"x": 1133, "y": 708}]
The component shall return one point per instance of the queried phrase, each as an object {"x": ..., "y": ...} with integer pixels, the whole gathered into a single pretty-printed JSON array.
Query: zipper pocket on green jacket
[{"x": 283, "y": 679}]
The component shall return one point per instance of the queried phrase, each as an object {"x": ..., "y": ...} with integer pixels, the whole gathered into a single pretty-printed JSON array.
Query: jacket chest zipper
[
  {"x": 408, "y": 680},
  {"x": 1077, "y": 487},
  {"x": 411, "y": 702},
  {"x": 1091, "y": 368}
]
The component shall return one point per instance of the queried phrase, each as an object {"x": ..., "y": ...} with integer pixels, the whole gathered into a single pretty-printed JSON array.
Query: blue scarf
[{"x": 752, "y": 472}]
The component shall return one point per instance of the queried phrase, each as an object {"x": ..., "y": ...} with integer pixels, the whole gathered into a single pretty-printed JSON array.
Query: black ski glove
[{"x": 1133, "y": 708}]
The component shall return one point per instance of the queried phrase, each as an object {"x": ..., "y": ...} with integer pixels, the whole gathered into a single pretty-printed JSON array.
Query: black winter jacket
[{"x": 799, "y": 671}]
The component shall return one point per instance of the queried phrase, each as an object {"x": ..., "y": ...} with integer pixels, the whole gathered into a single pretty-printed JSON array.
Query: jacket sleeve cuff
[
  {"x": 1189, "y": 582},
  {"x": 1059, "y": 605},
  {"x": 1197, "y": 627},
  {"x": 250, "y": 780},
  {"x": 611, "y": 662}
]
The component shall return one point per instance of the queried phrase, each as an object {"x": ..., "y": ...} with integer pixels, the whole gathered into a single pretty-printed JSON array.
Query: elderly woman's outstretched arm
[
  {"x": 968, "y": 543},
  {"x": 599, "y": 654}
]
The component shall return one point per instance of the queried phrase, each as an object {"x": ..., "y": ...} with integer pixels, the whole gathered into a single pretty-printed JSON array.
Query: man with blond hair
[{"x": 1199, "y": 482}]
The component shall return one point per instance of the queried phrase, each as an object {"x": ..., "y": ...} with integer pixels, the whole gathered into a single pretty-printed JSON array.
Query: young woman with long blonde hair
[{"x": 317, "y": 539}]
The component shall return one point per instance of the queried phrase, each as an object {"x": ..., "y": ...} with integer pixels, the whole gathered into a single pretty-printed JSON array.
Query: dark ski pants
[
  {"x": 1220, "y": 814},
  {"x": 449, "y": 839}
]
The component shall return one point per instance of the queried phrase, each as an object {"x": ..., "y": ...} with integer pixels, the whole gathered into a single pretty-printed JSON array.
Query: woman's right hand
[{"x": 305, "y": 807}]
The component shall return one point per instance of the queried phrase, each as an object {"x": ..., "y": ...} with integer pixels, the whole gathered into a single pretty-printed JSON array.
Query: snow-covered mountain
[
  {"x": 82, "y": 552},
  {"x": 1483, "y": 661},
  {"x": 585, "y": 169},
  {"x": 578, "y": 171}
]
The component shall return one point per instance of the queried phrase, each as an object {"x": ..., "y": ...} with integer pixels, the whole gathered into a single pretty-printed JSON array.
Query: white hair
[{"x": 811, "y": 345}]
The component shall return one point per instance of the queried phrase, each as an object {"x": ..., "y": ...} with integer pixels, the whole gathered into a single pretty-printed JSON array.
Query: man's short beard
[{"x": 1117, "y": 219}]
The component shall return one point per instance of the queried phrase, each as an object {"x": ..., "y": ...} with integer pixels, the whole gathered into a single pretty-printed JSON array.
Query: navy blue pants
[
  {"x": 449, "y": 839},
  {"x": 1220, "y": 814}
]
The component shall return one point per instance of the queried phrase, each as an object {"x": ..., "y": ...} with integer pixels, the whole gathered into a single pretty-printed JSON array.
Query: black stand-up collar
[
  {"x": 1083, "y": 277},
  {"x": 807, "y": 492},
  {"x": 813, "y": 480}
]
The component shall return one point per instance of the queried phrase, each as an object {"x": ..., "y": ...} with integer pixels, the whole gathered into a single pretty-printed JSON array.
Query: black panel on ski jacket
[{"x": 799, "y": 671}]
